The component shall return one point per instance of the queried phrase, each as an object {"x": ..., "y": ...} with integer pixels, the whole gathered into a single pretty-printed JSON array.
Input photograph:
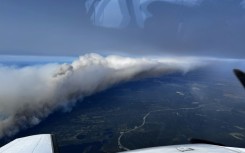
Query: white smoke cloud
[{"x": 29, "y": 94}]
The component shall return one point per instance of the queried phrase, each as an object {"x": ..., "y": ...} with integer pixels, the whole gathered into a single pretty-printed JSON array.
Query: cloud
[{"x": 29, "y": 94}]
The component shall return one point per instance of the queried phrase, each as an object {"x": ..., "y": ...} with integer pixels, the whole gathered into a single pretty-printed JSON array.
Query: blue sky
[{"x": 138, "y": 27}]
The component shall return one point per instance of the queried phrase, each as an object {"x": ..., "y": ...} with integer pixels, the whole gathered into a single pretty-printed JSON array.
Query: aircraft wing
[
  {"x": 43, "y": 143},
  {"x": 240, "y": 75},
  {"x": 190, "y": 148}
]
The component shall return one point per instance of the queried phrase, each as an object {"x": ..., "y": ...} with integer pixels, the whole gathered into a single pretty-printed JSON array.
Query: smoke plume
[{"x": 29, "y": 94}]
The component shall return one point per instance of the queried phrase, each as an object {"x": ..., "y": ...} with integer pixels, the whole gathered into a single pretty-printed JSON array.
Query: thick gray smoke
[{"x": 29, "y": 94}]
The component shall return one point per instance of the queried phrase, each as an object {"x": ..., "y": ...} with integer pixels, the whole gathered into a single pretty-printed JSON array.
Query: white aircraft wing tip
[{"x": 41, "y": 143}]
